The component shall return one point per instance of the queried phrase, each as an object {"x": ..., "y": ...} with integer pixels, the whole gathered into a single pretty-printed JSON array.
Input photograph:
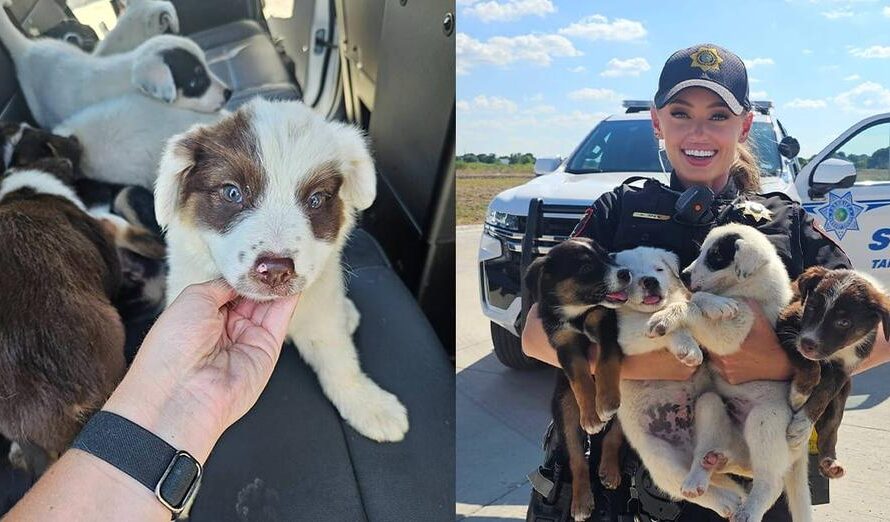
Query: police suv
[{"x": 844, "y": 187}]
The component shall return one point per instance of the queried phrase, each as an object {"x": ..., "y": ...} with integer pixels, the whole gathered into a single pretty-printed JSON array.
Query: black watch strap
[{"x": 172, "y": 475}]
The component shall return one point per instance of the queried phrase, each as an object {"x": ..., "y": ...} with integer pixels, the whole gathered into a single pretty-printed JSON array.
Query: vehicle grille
[{"x": 555, "y": 228}]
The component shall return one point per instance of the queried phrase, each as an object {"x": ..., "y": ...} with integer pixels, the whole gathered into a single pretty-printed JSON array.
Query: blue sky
[{"x": 536, "y": 75}]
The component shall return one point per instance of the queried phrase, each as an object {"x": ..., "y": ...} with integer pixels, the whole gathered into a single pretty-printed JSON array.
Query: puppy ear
[
  {"x": 176, "y": 162},
  {"x": 533, "y": 278},
  {"x": 153, "y": 77},
  {"x": 747, "y": 259},
  {"x": 360, "y": 176},
  {"x": 673, "y": 263},
  {"x": 885, "y": 316},
  {"x": 809, "y": 280}
]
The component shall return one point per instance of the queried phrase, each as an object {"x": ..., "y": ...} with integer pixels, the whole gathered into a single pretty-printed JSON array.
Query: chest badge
[{"x": 754, "y": 210}]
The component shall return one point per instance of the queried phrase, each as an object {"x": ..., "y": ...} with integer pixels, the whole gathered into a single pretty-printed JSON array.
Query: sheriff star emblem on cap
[
  {"x": 707, "y": 59},
  {"x": 755, "y": 211}
]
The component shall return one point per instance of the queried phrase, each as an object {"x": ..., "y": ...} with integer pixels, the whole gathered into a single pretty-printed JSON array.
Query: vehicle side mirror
[
  {"x": 789, "y": 147},
  {"x": 831, "y": 174},
  {"x": 547, "y": 165}
]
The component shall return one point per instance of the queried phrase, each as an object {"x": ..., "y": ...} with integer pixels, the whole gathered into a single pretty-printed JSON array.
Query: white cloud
[
  {"x": 865, "y": 98},
  {"x": 801, "y": 103},
  {"x": 544, "y": 135},
  {"x": 579, "y": 69},
  {"x": 758, "y": 95},
  {"x": 886, "y": 11},
  {"x": 462, "y": 105},
  {"x": 751, "y": 63},
  {"x": 540, "y": 109},
  {"x": 752, "y": 81},
  {"x": 875, "y": 51},
  {"x": 539, "y": 49},
  {"x": 807, "y": 51},
  {"x": 836, "y": 14},
  {"x": 629, "y": 67},
  {"x": 493, "y": 103},
  {"x": 598, "y": 27},
  {"x": 592, "y": 94},
  {"x": 494, "y": 11},
  {"x": 536, "y": 97},
  {"x": 852, "y": 78}
]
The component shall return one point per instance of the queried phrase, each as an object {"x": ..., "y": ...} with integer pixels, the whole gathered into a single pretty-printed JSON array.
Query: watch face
[{"x": 179, "y": 482}]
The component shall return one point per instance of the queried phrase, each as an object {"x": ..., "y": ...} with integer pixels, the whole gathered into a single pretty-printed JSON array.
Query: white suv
[{"x": 620, "y": 146}]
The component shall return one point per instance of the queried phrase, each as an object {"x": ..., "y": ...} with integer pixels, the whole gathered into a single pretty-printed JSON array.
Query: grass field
[{"x": 477, "y": 186}]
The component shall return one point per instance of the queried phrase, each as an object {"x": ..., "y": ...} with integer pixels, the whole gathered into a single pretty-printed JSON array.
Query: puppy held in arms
[
  {"x": 61, "y": 339},
  {"x": 266, "y": 199},
  {"x": 828, "y": 330}
]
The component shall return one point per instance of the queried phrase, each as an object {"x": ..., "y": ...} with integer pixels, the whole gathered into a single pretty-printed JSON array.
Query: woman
[{"x": 703, "y": 115}]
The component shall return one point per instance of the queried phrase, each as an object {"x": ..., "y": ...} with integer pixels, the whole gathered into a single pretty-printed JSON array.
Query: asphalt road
[{"x": 502, "y": 414}]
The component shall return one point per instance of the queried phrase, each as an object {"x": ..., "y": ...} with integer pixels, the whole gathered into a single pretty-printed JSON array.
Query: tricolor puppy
[
  {"x": 739, "y": 262},
  {"x": 828, "y": 330},
  {"x": 61, "y": 339},
  {"x": 22, "y": 145},
  {"x": 575, "y": 285},
  {"x": 266, "y": 199},
  {"x": 140, "y": 20},
  {"x": 58, "y": 79}
]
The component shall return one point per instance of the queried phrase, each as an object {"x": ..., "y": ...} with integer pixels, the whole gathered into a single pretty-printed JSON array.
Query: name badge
[{"x": 646, "y": 215}]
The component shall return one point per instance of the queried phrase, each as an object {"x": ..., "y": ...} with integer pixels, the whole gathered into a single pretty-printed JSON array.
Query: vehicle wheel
[{"x": 508, "y": 349}]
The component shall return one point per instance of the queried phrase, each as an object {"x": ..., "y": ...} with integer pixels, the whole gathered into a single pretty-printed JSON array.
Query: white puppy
[
  {"x": 656, "y": 416},
  {"x": 266, "y": 199},
  {"x": 738, "y": 262},
  {"x": 58, "y": 79},
  {"x": 123, "y": 138},
  {"x": 141, "y": 20}
]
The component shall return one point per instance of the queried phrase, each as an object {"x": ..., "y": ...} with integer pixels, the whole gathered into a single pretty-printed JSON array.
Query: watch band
[{"x": 172, "y": 475}]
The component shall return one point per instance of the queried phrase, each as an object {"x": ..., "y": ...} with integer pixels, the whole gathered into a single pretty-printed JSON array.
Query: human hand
[
  {"x": 203, "y": 365},
  {"x": 761, "y": 357}
]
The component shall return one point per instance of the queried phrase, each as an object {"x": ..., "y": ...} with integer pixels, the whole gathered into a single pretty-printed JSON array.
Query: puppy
[
  {"x": 61, "y": 340},
  {"x": 140, "y": 20},
  {"x": 58, "y": 79},
  {"x": 266, "y": 198},
  {"x": 574, "y": 285},
  {"x": 123, "y": 137},
  {"x": 738, "y": 262},
  {"x": 828, "y": 330},
  {"x": 22, "y": 145}
]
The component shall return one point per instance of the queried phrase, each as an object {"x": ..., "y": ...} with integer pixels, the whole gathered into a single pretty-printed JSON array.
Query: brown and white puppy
[
  {"x": 22, "y": 145},
  {"x": 829, "y": 329},
  {"x": 266, "y": 198},
  {"x": 61, "y": 339}
]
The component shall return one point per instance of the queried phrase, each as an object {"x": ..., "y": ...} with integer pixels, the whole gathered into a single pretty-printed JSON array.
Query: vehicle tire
[{"x": 508, "y": 349}]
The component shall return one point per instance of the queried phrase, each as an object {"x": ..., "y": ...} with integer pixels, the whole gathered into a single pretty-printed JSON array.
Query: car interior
[{"x": 292, "y": 456}]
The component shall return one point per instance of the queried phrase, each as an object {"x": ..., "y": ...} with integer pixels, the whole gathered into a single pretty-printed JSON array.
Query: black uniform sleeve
[
  {"x": 818, "y": 248},
  {"x": 601, "y": 219}
]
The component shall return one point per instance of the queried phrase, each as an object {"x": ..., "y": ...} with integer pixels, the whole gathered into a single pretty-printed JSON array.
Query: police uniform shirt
[{"x": 630, "y": 216}]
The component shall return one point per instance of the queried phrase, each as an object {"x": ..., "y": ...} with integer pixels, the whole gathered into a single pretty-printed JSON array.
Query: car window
[
  {"x": 618, "y": 146},
  {"x": 869, "y": 152},
  {"x": 765, "y": 147}
]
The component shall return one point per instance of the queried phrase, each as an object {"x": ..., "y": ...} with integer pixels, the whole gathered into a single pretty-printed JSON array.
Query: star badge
[
  {"x": 706, "y": 59},
  {"x": 840, "y": 214},
  {"x": 755, "y": 211}
]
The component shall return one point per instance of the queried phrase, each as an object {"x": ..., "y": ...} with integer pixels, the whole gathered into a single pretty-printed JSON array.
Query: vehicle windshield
[{"x": 630, "y": 146}]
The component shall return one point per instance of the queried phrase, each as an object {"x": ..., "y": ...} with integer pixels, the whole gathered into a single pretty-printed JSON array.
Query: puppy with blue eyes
[
  {"x": 58, "y": 79},
  {"x": 266, "y": 199}
]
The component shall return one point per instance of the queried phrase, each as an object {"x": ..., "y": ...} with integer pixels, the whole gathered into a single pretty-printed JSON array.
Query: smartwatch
[{"x": 173, "y": 475}]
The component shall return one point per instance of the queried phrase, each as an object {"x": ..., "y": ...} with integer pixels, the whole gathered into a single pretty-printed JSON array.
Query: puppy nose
[
  {"x": 227, "y": 94},
  {"x": 624, "y": 275},
  {"x": 807, "y": 345},
  {"x": 649, "y": 283},
  {"x": 274, "y": 271}
]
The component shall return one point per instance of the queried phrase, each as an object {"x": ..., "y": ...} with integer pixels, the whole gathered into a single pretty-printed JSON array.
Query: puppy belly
[{"x": 658, "y": 410}]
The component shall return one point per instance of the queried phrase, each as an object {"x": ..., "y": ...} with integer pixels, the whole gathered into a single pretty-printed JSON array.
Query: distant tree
[
  {"x": 470, "y": 158},
  {"x": 879, "y": 159},
  {"x": 487, "y": 158},
  {"x": 527, "y": 158}
]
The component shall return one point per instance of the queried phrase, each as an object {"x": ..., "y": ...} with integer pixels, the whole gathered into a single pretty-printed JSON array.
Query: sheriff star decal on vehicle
[{"x": 840, "y": 214}]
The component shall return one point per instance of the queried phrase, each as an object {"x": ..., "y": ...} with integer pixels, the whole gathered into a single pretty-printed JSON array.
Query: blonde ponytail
[{"x": 744, "y": 170}]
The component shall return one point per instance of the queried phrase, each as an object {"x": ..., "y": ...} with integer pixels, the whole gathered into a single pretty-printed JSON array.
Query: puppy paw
[
  {"x": 690, "y": 355},
  {"x": 609, "y": 474},
  {"x": 582, "y": 505},
  {"x": 831, "y": 468},
  {"x": 592, "y": 424},
  {"x": 696, "y": 483},
  {"x": 715, "y": 307},
  {"x": 375, "y": 413},
  {"x": 799, "y": 429},
  {"x": 743, "y": 515},
  {"x": 662, "y": 323},
  {"x": 728, "y": 503}
]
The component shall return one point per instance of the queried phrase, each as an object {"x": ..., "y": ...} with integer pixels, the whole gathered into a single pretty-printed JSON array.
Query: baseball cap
[{"x": 709, "y": 66}]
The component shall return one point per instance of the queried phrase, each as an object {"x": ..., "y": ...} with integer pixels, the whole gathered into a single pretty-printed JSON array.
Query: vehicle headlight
[{"x": 502, "y": 220}]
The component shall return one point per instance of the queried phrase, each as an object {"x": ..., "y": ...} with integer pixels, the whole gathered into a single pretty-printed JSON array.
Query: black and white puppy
[
  {"x": 828, "y": 330},
  {"x": 61, "y": 339},
  {"x": 140, "y": 20},
  {"x": 266, "y": 198},
  {"x": 22, "y": 145},
  {"x": 58, "y": 79}
]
